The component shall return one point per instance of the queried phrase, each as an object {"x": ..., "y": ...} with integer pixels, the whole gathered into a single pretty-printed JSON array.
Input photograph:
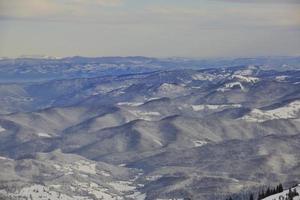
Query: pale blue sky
[{"x": 160, "y": 28}]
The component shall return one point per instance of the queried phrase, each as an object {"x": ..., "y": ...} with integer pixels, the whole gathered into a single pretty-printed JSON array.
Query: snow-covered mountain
[
  {"x": 289, "y": 111},
  {"x": 148, "y": 129}
]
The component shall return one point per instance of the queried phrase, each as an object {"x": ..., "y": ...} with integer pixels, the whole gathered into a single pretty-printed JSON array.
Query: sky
[{"x": 156, "y": 28}]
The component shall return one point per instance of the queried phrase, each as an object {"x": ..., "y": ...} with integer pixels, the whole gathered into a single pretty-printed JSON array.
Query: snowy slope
[
  {"x": 283, "y": 194},
  {"x": 288, "y": 111},
  {"x": 2, "y": 129}
]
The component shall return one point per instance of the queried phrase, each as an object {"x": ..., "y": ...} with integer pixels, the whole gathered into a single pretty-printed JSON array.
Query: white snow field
[
  {"x": 214, "y": 107},
  {"x": 288, "y": 111},
  {"x": 39, "y": 192},
  {"x": 46, "y": 135},
  {"x": 283, "y": 194},
  {"x": 247, "y": 79},
  {"x": 199, "y": 143},
  {"x": 2, "y": 129}
]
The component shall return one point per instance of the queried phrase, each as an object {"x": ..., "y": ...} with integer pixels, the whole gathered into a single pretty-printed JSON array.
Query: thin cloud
[
  {"x": 240, "y": 16},
  {"x": 94, "y": 11},
  {"x": 50, "y": 8},
  {"x": 263, "y": 1}
]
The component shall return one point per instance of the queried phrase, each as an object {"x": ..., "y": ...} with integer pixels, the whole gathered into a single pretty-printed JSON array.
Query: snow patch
[
  {"x": 229, "y": 86},
  {"x": 171, "y": 199},
  {"x": 199, "y": 143},
  {"x": 153, "y": 178},
  {"x": 137, "y": 196},
  {"x": 233, "y": 84},
  {"x": 4, "y": 158},
  {"x": 246, "y": 72},
  {"x": 98, "y": 191},
  {"x": 86, "y": 167},
  {"x": 81, "y": 166},
  {"x": 158, "y": 142},
  {"x": 144, "y": 115},
  {"x": 281, "y": 78},
  {"x": 203, "y": 77},
  {"x": 104, "y": 173},
  {"x": 2, "y": 129},
  {"x": 39, "y": 192},
  {"x": 122, "y": 186},
  {"x": 288, "y": 111},
  {"x": 152, "y": 98},
  {"x": 46, "y": 135},
  {"x": 247, "y": 79},
  {"x": 167, "y": 89},
  {"x": 55, "y": 186},
  {"x": 214, "y": 107},
  {"x": 133, "y": 104}
]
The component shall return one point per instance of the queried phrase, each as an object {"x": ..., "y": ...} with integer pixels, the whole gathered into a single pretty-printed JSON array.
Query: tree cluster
[
  {"x": 291, "y": 194},
  {"x": 265, "y": 193},
  {"x": 270, "y": 191}
]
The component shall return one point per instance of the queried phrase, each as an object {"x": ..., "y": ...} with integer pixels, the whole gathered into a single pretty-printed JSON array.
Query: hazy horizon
[{"x": 145, "y": 56}]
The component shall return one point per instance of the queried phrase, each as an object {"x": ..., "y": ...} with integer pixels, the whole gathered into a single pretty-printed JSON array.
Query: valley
[{"x": 168, "y": 132}]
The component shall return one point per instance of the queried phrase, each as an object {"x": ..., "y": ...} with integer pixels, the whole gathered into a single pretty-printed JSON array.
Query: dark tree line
[
  {"x": 270, "y": 191},
  {"x": 265, "y": 193}
]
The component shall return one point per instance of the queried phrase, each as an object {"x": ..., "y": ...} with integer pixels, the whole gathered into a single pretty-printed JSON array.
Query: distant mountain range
[
  {"x": 145, "y": 128},
  {"x": 50, "y": 68}
]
